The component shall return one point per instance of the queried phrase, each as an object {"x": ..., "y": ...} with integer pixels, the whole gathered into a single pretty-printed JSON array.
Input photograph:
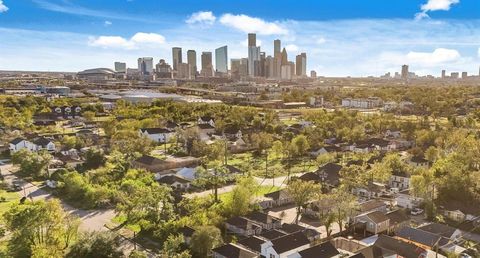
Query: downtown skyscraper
[
  {"x": 221, "y": 60},
  {"x": 192, "y": 62},
  {"x": 176, "y": 57},
  {"x": 253, "y": 54}
]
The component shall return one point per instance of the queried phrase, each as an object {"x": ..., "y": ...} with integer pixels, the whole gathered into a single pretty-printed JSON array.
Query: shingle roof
[
  {"x": 422, "y": 237},
  {"x": 272, "y": 234},
  {"x": 280, "y": 194},
  {"x": 399, "y": 247},
  {"x": 253, "y": 243},
  {"x": 234, "y": 251},
  {"x": 377, "y": 216},
  {"x": 148, "y": 160},
  {"x": 170, "y": 179},
  {"x": 17, "y": 141},
  {"x": 324, "y": 250},
  {"x": 42, "y": 141},
  {"x": 439, "y": 229},
  {"x": 261, "y": 217},
  {"x": 397, "y": 217},
  {"x": 371, "y": 205},
  {"x": 289, "y": 242}
]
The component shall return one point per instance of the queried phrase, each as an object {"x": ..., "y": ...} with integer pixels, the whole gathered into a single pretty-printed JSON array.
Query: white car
[{"x": 416, "y": 211}]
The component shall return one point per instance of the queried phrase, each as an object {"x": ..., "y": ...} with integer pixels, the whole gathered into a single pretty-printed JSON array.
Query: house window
[{"x": 272, "y": 256}]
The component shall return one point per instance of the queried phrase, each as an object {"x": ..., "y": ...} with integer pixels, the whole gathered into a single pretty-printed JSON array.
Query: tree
[
  {"x": 172, "y": 248},
  {"x": 146, "y": 203},
  {"x": 32, "y": 163},
  {"x": 96, "y": 245},
  {"x": 241, "y": 197},
  {"x": 214, "y": 177},
  {"x": 302, "y": 192},
  {"x": 345, "y": 204},
  {"x": 325, "y": 158},
  {"x": 40, "y": 228},
  {"x": 300, "y": 145},
  {"x": 94, "y": 158},
  {"x": 205, "y": 239}
]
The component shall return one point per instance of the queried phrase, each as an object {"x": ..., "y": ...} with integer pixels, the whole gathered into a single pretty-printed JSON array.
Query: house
[
  {"x": 151, "y": 164},
  {"x": 276, "y": 199},
  {"x": 18, "y": 144},
  {"x": 393, "y": 134},
  {"x": 266, "y": 221},
  {"x": 187, "y": 173},
  {"x": 232, "y": 132},
  {"x": 421, "y": 238},
  {"x": 272, "y": 234},
  {"x": 386, "y": 246},
  {"x": 442, "y": 230},
  {"x": 404, "y": 199},
  {"x": 372, "y": 190},
  {"x": 324, "y": 150},
  {"x": 323, "y": 250},
  {"x": 242, "y": 226},
  {"x": 176, "y": 182},
  {"x": 310, "y": 233},
  {"x": 206, "y": 120},
  {"x": 232, "y": 251},
  {"x": 320, "y": 207},
  {"x": 398, "y": 219},
  {"x": 285, "y": 246},
  {"x": 253, "y": 243},
  {"x": 418, "y": 161},
  {"x": 374, "y": 222},
  {"x": 43, "y": 143},
  {"x": 460, "y": 210},
  {"x": 159, "y": 135},
  {"x": 372, "y": 205},
  {"x": 399, "y": 179},
  {"x": 369, "y": 145},
  {"x": 329, "y": 175}
]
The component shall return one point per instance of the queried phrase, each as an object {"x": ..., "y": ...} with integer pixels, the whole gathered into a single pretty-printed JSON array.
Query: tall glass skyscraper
[{"x": 221, "y": 59}]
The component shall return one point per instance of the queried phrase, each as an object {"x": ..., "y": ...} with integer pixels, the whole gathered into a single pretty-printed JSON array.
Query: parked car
[{"x": 416, "y": 211}]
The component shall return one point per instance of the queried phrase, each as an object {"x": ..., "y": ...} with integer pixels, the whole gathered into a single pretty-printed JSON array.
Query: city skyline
[{"x": 358, "y": 45}]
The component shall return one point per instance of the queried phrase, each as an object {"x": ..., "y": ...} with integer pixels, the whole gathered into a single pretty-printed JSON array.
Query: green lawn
[
  {"x": 11, "y": 197},
  {"x": 119, "y": 219}
]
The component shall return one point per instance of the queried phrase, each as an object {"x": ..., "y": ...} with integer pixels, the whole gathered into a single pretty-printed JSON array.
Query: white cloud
[
  {"x": 202, "y": 17},
  {"x": 291, "y": 48},
  {"x": 479, "y": 52},
  {"x": 3, "y": 7},
  {"x": 139, "y": 38},
  {"x": 435, "y": 5},
  {"x": 249, "y": 24},
  {"x": 107, "y": 23},
  {"x": 438, "y": 56},
  {"x": 439, "y": 5},
  {"x": 321, "y": 40}
]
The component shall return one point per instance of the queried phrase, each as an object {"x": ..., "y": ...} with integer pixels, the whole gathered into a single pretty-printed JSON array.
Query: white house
[
  {"x": 405, "y": 200},
  {"x": 400, "y": 180},
  {"x": 206, "y": 120},
  {"x": 160, "y": 135},
  {"x": 286, "y": 246},
  {"x": 37, "y": 145}
]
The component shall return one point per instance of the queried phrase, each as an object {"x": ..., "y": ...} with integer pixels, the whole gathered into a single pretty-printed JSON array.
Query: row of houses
[{"x": 38, "y": 144}]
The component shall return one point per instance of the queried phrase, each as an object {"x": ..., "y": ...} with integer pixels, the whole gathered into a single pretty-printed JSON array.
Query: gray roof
[
  {"x": 422, "y": 237},
  {"x": 324, "y": 250},
  {"x": 289, "y": 242}
]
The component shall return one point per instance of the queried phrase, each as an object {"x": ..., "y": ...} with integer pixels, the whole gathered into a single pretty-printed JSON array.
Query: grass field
[
  {"x": 261, "y": 191},
  {"x": 10, "y": 197}
]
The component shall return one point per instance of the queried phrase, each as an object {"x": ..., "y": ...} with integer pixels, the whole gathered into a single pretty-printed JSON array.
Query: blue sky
[{"x": 341, "y": 37}]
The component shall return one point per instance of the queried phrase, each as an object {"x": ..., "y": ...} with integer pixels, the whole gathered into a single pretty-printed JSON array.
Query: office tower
[
  {"x": 444, "y": 74},
  {"x": 183, "y": 71},
  {"x": 270, "y": 67},
  {"x": 277, "y": 56},
  {"x": 253, "y": 53},
  {"x": 464, "y": 75},
  {"x": 145, "y": 65},
  {"x": 404, "y": 71},
  {"x": 260, "y": 67},
  {"x": 163, "y": 69},
  {"x": 221, "y": 60},
  {"x": 252, "y": 39},
  {"x": 235, "y": 68},
  {"x": 313, "y": 74},
  {"x": 301, "y": 64},
  {"x": 454, "y": 75},
  {"x": 207, "y": 67},
  {"x": 277, "y": 47},
  {"x": 192, "y": 62},
  {"x": 284, "y": 57},
  {"x": 176, "y": 57},
  {"x": 286, "y": 73},
  {"x": 120, "y": 67}
]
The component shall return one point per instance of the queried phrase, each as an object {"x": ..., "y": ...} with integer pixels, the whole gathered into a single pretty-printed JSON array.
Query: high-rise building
[
  {"x": 239, "y": 68},
  {"x": 277, "y": 58},
  {"x": 301, "y": 64},
  {"x": 404, "y": 71},
  {"x": 253, "y": 54},
  {"x": 207, "y": 67},
  {"x": 176, "y": 57},
  {"x": 260, "y": 65},
  {"x": 284, "y": 57},
  {"x": 444, "y": 74},
  {"x": 270, "y": 67},
  {"x": 313, "y": 74},
  {"x": 454, "y": 75},
  {"x": 163, "y": 69},
  {"x": 286, "y": 72},
  {"x": 277, "y": 47},
  {"x": 183, "y": 71},
  {"x": 120, "y": 67},
  {"x": 221, "y": 60},
  {"x": 145, "y": 65},
  {"x": 464, "y": 75},
  {"x": 192, "y": 62}
]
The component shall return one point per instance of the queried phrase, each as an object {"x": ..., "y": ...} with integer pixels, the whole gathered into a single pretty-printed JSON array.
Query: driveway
[{"x": 92, "y": 220}]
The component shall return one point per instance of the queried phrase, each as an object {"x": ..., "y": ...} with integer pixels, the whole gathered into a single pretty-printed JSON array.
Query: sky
[{"x": 340, "y": 37}]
